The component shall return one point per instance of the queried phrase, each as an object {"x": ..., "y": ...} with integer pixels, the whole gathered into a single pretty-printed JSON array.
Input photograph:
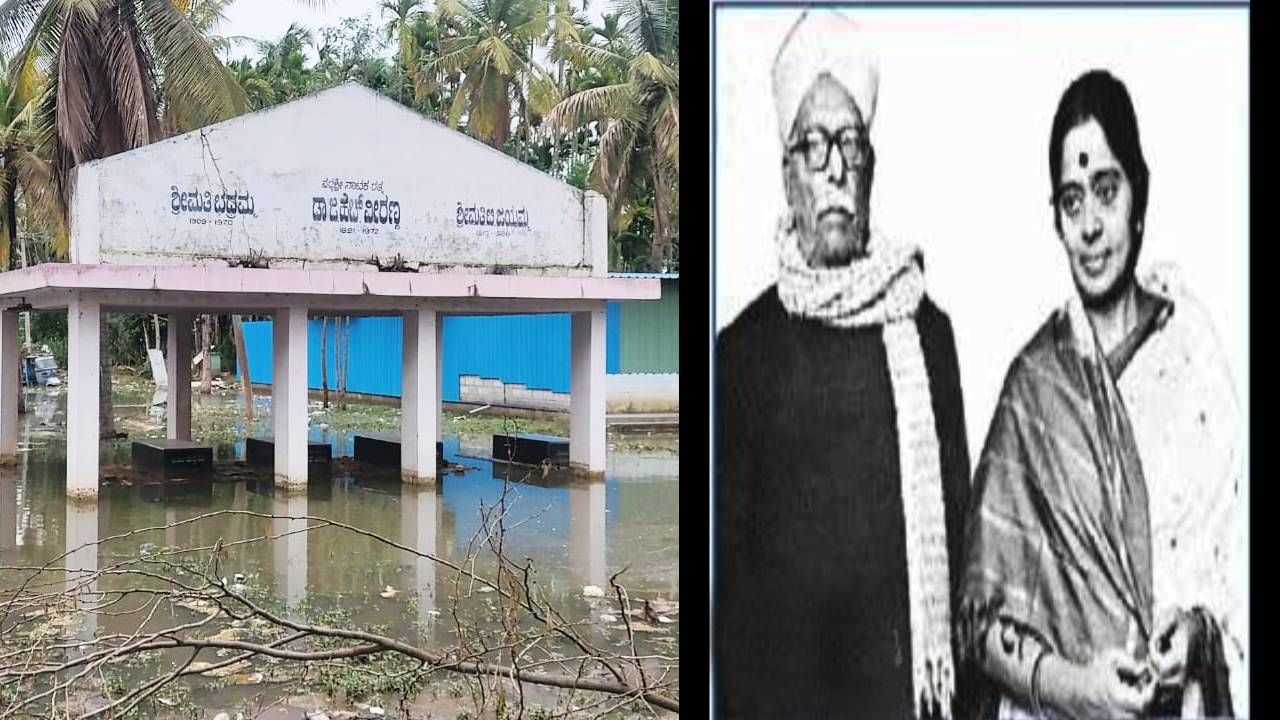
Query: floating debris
[
  {"x": 591, "y": 591},
  {"x": 390, "y": 592},
  {"x": 641, "y": 627}
]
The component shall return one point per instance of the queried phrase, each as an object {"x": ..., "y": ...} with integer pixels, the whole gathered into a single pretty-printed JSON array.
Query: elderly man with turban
[{"x": 841, "y": 463}]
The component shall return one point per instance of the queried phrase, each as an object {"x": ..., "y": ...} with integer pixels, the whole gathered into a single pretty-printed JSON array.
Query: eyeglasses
[
  {"x": 816, "y": 143},
  {"x": 1104, "y": 188}
]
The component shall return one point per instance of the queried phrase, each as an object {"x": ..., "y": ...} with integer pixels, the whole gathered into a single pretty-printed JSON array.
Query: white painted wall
[{"x": 347, "y": 142}]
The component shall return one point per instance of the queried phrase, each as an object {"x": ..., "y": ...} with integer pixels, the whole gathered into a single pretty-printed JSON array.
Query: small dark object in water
[{"x": 649, "y": 615}]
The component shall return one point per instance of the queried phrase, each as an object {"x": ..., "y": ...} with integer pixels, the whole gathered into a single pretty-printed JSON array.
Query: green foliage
[
  {"x": 50, "y": 328},
  {"x": 125, "y": 338},
  {"x": 596, "y": 106}
]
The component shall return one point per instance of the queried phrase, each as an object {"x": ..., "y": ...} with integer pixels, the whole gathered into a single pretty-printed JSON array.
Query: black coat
[{"x": 810, "y": 600}]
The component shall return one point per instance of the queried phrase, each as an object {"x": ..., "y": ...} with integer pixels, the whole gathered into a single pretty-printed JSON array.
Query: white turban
[{"x": 823, "y": 41}]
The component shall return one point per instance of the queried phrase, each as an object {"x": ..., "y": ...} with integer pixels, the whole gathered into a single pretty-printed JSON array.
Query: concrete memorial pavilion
[{"x": 340, "y": 203}]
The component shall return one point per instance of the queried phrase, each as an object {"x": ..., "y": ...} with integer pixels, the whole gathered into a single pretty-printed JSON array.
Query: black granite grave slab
[
  {"x": 262, "y": 451},
  {"x": 172, "y": 457},
  {"x": 384, "y": 449},
  {"x": 531, "y": 449}
]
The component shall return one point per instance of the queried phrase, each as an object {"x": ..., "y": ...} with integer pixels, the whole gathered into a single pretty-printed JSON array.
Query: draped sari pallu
[{"x": 1058, "y": 541}]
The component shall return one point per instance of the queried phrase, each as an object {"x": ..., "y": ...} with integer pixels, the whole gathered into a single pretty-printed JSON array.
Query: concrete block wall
[
  {"x": 491, "y": 391},
  {"x": 624, "y": 393}
]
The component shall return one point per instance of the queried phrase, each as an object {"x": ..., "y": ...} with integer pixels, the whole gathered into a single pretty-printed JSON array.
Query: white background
[{"x": 961, "y": 133}]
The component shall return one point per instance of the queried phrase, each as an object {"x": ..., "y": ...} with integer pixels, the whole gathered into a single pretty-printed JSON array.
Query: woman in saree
[{"x": 1098, "y": 577}]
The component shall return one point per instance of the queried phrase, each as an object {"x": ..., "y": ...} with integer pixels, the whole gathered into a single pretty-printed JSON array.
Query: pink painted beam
[{"x": 322, "y": 282}]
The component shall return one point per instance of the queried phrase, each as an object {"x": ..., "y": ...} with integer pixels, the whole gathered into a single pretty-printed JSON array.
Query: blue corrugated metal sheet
[
  {"x": 529, "y": 349},
  {"x": 375, "y": 354}
]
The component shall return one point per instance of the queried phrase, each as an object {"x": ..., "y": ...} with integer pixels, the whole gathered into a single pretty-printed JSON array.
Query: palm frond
[
  {"x": 586, "y": 55},
  {"x": 646, "y": 66},
  {"x": 24, "y": 73},
  {"x": 16, "y": 19},
  {"x": 191, "y": 71},
  {"x": 77, "y": 66},
  {"x": 543, "y": 95},
  {"x": 590, "y": 104},
  {"x": 129, "y": 74},
  {"x": 459, "y": 104}
]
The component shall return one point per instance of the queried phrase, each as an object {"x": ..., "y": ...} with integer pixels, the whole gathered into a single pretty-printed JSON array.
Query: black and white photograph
[{"x": 980, "y": 362}]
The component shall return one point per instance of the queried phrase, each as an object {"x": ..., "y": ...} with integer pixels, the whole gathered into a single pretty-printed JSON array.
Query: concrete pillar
[
  {"x": 83, "y": 343},
  {"x": 586, "y": 392},
  {"x": 439, "y": 378},
  {"x": 587, "y": 543},
  {"x": 170, "y": 519},
  {"x": 289, "y": 549},
  {"x": 81, "y": 561},
  {"x": 419, "y": 401},
  {"x": 10, "y": 387},
  {"x": 9, "y": 509},
  {"x": 178, "y": 361},
  {"x": 420, "y": 514},
  {"x": 289, "y": 397}
]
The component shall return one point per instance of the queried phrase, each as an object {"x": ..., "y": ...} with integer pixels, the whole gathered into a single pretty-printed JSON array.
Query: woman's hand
[{"x": 1113, "y": 685}]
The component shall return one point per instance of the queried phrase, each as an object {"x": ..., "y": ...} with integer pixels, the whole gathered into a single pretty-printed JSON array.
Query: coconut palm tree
[
  {"x": 399, "y": 29},
  {"x": 256, "y": 86},
  {"x": 108, "y": 71},
  {"x": 206, "y": 16},
  {"x": 283, "y": 63},
  {"x": 23, "y": 171},
  {"x": 111, "y": 68},
  {"x": 639, "y": 113},
  {"x": 490, "y": 43}
]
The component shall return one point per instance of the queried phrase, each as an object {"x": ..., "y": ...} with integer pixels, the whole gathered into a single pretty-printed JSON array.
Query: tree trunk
[
  {"x": 344, "y": 352},
  {"x": 11, "y": 213},
  {"x": 502, "y": 128},
  {"x": 658, "y": 248},
  {"x": 106, "y": 411},
  {"x": 324, "y": 360},
  {"x": 242, "y": 361},
  {"x": 156, "y": 319},
  {"x": 206, "y": 367}
]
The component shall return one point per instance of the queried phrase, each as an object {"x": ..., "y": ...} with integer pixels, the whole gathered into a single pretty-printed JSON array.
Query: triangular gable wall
[{"x": 334, "y": 179}]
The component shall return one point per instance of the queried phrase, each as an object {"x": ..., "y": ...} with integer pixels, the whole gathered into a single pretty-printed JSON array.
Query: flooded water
[{"x": 571, "y": 532}]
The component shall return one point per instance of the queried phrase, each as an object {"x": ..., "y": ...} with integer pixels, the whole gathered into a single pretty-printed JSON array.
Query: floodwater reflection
[{"x": 574, "y": 533}]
